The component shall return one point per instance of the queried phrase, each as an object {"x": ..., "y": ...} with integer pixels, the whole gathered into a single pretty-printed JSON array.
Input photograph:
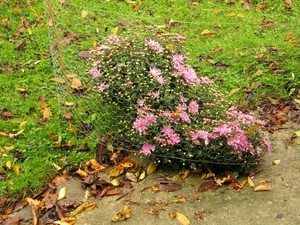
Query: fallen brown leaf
[
  {"x": 162, "y": 186},
  {"x": 34, "y": 205},
  {"x": 207, "y": 185},
  {"x": 58, "y": 180},
  {"x": 263, "y": 181},
  {"x": 6, "y": 114},
  {"x": 127, "y": 163}
]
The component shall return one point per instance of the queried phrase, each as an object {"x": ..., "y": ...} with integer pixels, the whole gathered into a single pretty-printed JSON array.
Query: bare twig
[{"x": 125, "y": 195}]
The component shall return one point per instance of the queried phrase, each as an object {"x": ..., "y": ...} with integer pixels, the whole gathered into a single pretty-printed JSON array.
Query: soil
[{"x": 280, "y": 205}]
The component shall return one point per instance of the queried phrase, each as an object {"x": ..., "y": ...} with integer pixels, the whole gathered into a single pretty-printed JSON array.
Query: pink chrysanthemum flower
[
  {"x": 181, "y": 107},
  {"x": 193, "y": 107},
  {"x": 202, "y": 135},
  {"x": 267, "y": 142},
  {"x": 205, "y": 80},
  {"x": 239, "y": 142},
  {"x": 154, "y": 94},
  {"x": 190, "y": 75},
  {"x": 161, "y": 80},
  {"x": 140, "y": 125},
  {"x": 181, "y": 98},
  {"x": 114, "y": 39},
  {"x": 185, "y": 117},
  {"x": 177, "y": 59},
  {"x": 150, "y": 118},
  {"x": 102, "y": 87},
  {"x": 223, "y": 130},
  {"x": 171, "y": 136},
  {"x": 147, "y": 148},
  {"x": 95, "y": 72},
  {"x": 155, "y": 71},
  {"x": 154, "y": 45}
]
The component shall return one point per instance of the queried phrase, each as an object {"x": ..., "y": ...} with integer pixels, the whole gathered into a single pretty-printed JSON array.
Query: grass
[{"x": 250, "y": 59}]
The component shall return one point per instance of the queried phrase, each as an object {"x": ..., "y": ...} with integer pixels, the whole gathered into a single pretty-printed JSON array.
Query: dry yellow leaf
[
  {"x": 170, "y": 47},
  {"x": 20, "y": 89},
  {"x": 233, "y": 91},
  {"x": 46, "y": 113},
  {"x": 76, "y": 83},
  {"x": 23, "y": 123},
  {"x": 259, "y": 72},
  {"x": 289, "y": 35},
  {"x": 207, "y": 33},
  {"x": 15, "y": 134},
  {"x": 29, "y": 31},
  {"x": 210, "y": 174},
  {"x": 90, "y": 206},
  {"x": 8, "y": 164},
  {"x": 116, "y": 171},
  {"x": 62, "y": 193},
  {"x": 50, "y": 23},
  {"x": 97, "y": 166},
  {"x": 297, "y": 133},
  {"x": 151, "y": 168},
  {"x": 69, "y": 103},
  {"x": 81, "y": 173},
  {"x": 84, "y": 13},
  {"x": 58, "y": 80},
  {"x": 217, "y": 11},
  {"x": 173, "y": 215},
  {"x": 71, "y": 75},
  {"x": 241, "y": 185},
  {"x": 293, "y": 42},
  {"x": 66, "y": 221},
  {"x": 250, "y": 182},
  {"x": 182, "y": 219},
  {"x": 71, "y": 128},
  {"x": 114, "y": 31},
  {"x": 297, "y": 100},
  {"x": 131, "y": 176},
  {"x": 185, "y": 174},
  {"x": 142, "y": 175},
  {"x": 2, "y": 133},
  {"x": 288, "y": 3},
  {"x": 123, "y": 214},
  {"x": 115, "y": 182},
  {"x": 231, "y": 14},
  {"x": 8, "y": 148},
  {"x": 16, "y": 169},
  {"x": 57, "y": 167},
  {"x": 77, "y": 211},
  {"x": 95, "y": 42},
  {"x": 262, "y": 188},
  {"x": 276, "y": 162}
]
